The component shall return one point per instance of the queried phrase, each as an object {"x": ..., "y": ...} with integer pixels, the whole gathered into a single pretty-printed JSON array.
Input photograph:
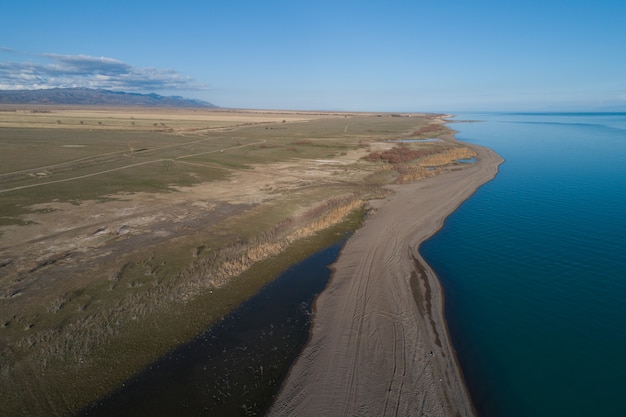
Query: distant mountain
[{"x": 87, "y": 96}]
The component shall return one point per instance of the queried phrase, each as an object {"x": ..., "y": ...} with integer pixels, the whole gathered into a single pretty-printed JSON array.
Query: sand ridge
[{"x": 379, "y": 344}]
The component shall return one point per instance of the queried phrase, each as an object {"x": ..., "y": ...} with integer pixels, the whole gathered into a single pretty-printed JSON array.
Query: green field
[{"x": 120, "y": 239}]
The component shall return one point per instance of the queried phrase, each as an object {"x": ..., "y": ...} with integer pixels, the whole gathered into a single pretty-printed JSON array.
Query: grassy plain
[{"x": 125, "y": 232}]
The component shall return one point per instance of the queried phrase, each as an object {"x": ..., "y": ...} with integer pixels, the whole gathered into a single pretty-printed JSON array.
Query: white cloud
[{"x": 64, "y": 71}]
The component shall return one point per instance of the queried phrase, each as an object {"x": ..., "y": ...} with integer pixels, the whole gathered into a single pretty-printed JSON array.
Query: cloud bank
[{"x": 71, "y": 71}]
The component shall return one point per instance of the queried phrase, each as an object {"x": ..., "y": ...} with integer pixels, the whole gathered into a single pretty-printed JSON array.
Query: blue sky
[{"x": 378, "y": 55}]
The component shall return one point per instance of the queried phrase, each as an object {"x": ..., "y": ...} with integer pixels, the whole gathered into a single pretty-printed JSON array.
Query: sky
[{"x": 376, "y": 55}]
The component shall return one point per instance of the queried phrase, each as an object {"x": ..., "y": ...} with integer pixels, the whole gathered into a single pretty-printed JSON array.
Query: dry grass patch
[
  {"x": 155, "y": 235},
  {"x": 416, "y": 161},
  {"x": 447, "y": 157}
]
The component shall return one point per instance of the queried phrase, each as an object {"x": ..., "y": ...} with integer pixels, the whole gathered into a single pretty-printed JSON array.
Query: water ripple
[{"x": 534, "y": 270}]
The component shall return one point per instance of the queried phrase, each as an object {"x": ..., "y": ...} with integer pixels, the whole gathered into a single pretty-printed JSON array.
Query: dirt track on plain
[{"x": 379, "y": 344}]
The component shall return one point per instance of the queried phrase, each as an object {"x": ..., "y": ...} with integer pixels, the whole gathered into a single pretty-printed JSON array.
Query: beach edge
[{"x": 379, "y": 343}]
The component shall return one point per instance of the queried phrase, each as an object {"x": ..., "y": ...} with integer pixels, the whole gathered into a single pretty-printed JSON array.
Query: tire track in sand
[{"x": 373, "y": 328}]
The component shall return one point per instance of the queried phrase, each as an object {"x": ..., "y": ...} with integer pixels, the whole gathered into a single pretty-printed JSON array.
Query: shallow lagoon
[{"x": 235, "y": 367}]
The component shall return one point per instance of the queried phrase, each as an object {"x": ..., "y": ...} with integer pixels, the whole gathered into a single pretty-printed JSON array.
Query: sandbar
[{"x": 379, "y": 344}]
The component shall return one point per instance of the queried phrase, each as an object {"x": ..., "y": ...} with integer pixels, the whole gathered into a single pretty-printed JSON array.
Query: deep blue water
[{"x": 534, "y": 267}]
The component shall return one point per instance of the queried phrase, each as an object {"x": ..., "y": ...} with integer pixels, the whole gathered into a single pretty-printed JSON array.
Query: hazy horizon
[{"x": 379, "y": 56}]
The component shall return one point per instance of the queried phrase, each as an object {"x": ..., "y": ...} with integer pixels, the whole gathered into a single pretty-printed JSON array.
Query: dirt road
[{"x": 379, "y": 344}]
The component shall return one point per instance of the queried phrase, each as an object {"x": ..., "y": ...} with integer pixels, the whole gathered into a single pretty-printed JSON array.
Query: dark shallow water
[
  {"x": 234, "y": 368},
  {"x": 534, "y": 267}
]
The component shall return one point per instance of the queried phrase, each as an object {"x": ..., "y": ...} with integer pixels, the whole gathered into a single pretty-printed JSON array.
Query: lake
[{"x": 534, "y": 268}]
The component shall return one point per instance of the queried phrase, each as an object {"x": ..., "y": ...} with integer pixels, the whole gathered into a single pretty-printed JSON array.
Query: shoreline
[{"x": 379, "y": 343}]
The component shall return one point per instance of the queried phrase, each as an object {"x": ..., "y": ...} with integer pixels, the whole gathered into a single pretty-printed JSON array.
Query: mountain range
[{"x": 88, "y": 96}]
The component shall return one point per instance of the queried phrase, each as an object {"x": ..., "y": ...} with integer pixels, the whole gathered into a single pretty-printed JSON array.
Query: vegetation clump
[
  {"x": 412, "y": 164},
  {"x": 399, "y": 154}
]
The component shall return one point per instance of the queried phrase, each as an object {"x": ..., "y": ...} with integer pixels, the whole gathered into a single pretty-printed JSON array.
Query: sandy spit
[{"x": 379, "y": 344}]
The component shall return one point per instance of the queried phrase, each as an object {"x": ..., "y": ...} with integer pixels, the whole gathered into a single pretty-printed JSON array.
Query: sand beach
[{"x": 379, "y": 344}]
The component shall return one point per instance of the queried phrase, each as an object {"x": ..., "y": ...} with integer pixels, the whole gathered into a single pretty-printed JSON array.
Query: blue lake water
[{"x": 534, "y": 267}]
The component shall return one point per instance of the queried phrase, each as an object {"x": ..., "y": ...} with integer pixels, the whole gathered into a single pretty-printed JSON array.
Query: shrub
[{"x": 398, "y": 155}]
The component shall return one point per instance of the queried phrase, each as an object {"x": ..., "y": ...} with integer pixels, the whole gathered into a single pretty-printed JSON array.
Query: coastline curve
[{"x": 379, "y": 343}]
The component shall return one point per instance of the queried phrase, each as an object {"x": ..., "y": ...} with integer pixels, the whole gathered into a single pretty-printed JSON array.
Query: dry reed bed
[
  {"x": 75, "y": 342},
  {"x": 414, "y": 164},
  {"x": 219, "y": 267}
]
